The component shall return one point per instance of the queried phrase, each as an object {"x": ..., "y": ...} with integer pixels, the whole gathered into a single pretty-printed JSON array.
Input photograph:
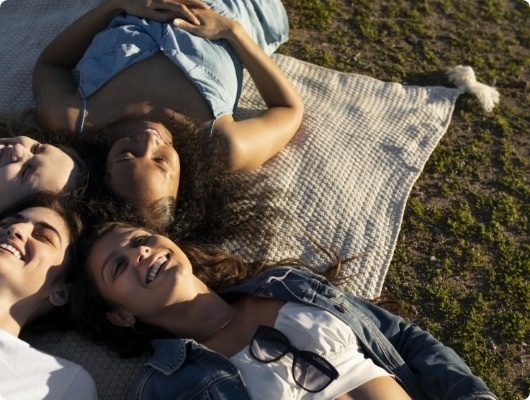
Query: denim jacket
[{"x": 184, "y": 369}]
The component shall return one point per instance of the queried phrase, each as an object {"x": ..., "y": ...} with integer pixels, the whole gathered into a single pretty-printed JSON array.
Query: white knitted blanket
[{"x": 346, "y": 176}]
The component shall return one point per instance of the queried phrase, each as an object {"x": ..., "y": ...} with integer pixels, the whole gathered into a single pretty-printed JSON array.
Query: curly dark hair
[
  {"x": 218, "y": 269},
  {"x": 203, "y": 158}
]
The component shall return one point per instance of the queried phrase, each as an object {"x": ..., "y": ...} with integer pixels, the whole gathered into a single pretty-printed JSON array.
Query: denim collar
[{"x": 169, "y": 355}]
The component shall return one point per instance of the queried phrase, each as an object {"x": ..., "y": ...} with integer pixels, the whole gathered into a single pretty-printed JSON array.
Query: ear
[
  {"x": 60, "y": 293},
  {"x": 120, "y": 318}
]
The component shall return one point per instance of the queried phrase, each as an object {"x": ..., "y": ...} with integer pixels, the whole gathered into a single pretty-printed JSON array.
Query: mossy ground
[{"x": 461, "y": 268}]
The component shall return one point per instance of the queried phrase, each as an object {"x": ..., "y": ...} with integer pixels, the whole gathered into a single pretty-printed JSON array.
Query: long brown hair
[{"x": 218, "y": 269}]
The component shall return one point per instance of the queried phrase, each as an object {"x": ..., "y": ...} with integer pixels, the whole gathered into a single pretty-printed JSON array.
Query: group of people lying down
[{"x": 106, "y": 228}]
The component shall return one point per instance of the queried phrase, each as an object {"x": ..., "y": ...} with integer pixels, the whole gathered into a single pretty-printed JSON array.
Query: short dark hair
[
  {"x": 65, "y": 207},
  {"x": 25, "y": 123}
]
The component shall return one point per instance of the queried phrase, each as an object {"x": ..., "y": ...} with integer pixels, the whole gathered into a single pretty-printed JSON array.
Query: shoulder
[
  {"x": 185, "y": 369},
  {"x": 38, "y": 374}
]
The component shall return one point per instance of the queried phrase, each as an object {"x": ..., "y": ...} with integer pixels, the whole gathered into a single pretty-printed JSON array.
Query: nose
[
  {"x": 19, "y": 153},
  {"x": 146, "y": 141},
  {"x": 19, "y": 231},
  {"x": 140, "y": 253}
]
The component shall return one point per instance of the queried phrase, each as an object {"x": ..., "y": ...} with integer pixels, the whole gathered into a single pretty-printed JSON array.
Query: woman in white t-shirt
[{"x": 233, "y": 329}]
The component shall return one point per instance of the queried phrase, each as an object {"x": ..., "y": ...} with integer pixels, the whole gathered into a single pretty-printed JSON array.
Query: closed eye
[
  {"x": 118, "y": 268},
  {"x": 124, "y": 156},
  {"x": 139, "y": 240},
  {"x": 38, "y": 148},
  {"x": 43, "y": 235},
  {"x": 27, "y": 171}
]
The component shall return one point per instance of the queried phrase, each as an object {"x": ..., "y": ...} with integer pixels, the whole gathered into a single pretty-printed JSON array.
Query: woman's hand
[
  {"x": 161, "y": 10},
  {"x": 254, "y": 140},
  {"x": 211, "y": 25}
]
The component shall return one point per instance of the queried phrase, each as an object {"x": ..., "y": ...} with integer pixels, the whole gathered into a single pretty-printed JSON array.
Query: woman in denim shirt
[
  {"x": 137, "y": 286},
  {"x": 158, "y": 81}
]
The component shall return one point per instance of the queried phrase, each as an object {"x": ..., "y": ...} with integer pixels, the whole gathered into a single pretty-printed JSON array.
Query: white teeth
[
  {"x": 155, "y": 268},
  {"x": 12, "y": 250}
]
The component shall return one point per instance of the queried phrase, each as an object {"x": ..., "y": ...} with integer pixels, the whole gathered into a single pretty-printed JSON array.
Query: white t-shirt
[
  {"x": 314, "y": 329},
  {"x": 27, "y": 373}
]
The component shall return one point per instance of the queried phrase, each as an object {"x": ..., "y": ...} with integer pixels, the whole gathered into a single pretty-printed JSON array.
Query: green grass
[{"x": 462, "y": 263}]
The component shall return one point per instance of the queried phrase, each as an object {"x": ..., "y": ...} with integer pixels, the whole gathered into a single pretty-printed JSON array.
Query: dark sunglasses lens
[
  {"x": 268, "y": 345},
  {"x": 313, "y": 372}
]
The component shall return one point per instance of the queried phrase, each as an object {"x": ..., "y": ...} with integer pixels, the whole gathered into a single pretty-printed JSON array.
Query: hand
[
  {"x": 211, "y": 24},
  {"x": 162, "y": 10}
]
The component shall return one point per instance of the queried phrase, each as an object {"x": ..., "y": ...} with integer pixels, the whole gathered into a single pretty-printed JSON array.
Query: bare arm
[
  {"x": 54, "y": 87},
  {"x": 255, "y": 140}
]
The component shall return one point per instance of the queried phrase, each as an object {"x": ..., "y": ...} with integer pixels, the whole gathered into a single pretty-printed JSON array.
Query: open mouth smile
[
  {"x": 156, "y": 268},
  {"x": 12, "y": 250}
]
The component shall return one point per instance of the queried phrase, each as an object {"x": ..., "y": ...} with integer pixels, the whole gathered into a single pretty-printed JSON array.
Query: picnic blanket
[{"x": 345, "y": 178}]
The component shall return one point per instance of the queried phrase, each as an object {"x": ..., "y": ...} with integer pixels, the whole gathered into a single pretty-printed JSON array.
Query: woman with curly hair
[{"x": 137, "y": 74}]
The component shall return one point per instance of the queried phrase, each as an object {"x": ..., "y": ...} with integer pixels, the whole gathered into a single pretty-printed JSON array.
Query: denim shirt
[
  {"x": 184, "y": 369},
  {"x": 212, "y": 65}
]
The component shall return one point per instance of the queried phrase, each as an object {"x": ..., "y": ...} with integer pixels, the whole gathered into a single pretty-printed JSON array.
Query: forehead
[
  {"x": 141, "y": 182},
  {"x": 111, "y": 240}
]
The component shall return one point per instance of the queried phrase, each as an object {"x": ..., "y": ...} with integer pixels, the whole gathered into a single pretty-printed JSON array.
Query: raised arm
[
  {"x": 54, "y": 87},
  {"x": 255, "y": 140}
]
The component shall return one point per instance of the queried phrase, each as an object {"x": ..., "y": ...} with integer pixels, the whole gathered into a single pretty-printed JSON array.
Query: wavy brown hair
[{"x": 218, "y": 269}]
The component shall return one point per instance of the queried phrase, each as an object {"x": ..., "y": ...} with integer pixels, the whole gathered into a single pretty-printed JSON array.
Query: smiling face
[
  {"x": 141, "y": 273},
  {"x": 33, "y": 245},
  {"x": 27, "y": 166},
  {"x": 144, "y": 167}
]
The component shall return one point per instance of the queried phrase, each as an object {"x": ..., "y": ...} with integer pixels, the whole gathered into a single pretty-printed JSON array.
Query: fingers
[
  {"x": 182, "y": 24},
  {"x": 195, "y": 3},
  {"x": 168, "y": 10},
  {"x": 186, "y": 13}
]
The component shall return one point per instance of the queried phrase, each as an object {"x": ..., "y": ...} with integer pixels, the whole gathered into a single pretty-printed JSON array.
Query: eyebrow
[
  {"x": 40, "y": 224},
  {"x": 44, "y": 224}
]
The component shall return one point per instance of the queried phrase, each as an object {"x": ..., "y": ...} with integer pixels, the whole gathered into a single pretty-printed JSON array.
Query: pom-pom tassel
[{"x": 464, "y": 79}]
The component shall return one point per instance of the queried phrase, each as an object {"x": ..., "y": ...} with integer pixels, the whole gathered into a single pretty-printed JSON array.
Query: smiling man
[{"x": 36, "y": 239}]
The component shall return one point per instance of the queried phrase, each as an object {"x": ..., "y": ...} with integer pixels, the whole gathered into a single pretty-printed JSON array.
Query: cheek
[
  {"x": 9, "y": 172},
  {"x": 124, "y": 290},
  {"x": 42, "y": 273}
]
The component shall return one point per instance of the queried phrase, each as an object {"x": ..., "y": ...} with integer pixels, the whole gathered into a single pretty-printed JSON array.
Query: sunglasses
[{"x": 310, "y": 371}]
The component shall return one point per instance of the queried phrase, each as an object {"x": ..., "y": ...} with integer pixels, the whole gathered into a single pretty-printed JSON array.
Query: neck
[
  {"x": 198, "y": 319},
  {"x": 9, "y": 320},
  {"x": 17, "y": 313},
  {"x": 229, "y": 317}
]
